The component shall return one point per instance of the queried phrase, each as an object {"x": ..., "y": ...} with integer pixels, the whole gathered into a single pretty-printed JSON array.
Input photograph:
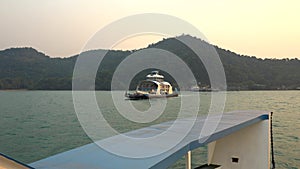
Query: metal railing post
[{"x": 188, "y": 158}]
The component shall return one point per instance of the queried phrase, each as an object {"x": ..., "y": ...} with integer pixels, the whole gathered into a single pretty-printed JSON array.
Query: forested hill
[{"x": 26, "y": 68}]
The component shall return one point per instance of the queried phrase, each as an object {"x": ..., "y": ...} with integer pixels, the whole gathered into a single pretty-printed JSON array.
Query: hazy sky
[{"x": 264, "y": 28}]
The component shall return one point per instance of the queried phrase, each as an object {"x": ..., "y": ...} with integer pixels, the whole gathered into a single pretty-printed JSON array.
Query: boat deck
[{"x": 92, "y": 156}]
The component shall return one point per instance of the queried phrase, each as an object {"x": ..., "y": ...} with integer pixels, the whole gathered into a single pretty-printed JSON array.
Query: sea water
[{"x": 37, "y": 124}]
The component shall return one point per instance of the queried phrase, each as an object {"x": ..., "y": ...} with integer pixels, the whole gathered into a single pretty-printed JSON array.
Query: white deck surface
[{"x": 92, "y": 156}]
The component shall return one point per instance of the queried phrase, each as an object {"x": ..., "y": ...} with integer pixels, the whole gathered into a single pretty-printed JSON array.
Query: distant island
[{"x": 26, "y": 68}]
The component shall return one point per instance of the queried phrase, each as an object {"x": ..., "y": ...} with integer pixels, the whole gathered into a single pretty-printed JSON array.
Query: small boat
[
  {"x": 153, "y": 87},
  {"x": 201, "y": 89}
]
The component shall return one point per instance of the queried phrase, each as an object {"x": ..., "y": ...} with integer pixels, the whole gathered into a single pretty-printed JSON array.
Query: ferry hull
[{"x": 137, "y": 96}]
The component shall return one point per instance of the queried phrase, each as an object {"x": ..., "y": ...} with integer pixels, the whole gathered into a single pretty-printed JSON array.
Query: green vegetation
[{"x": 26, "y": 68}]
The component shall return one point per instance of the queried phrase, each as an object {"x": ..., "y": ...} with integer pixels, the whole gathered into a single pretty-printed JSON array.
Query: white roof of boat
[
  {"x": 92, "y": 156},
  {"x": 155, "y": 76}
]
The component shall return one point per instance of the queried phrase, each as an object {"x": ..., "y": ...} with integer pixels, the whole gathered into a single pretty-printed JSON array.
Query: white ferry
[{"x": 153, "y": 87}]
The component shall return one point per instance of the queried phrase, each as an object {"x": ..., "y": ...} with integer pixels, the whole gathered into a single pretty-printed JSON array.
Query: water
[{"x": 38, "y": 124}]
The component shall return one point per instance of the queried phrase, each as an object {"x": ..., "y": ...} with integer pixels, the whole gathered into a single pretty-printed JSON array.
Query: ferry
[
  {"x": 197, "y": 88},
  {"x": 153, "y": 87}
]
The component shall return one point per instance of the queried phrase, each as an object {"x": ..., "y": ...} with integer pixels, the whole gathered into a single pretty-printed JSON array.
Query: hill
[{"x": 26, "y": 68}]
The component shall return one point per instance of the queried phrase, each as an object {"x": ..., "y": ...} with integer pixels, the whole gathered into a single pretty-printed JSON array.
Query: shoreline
[{"x": 11, "y": 90}]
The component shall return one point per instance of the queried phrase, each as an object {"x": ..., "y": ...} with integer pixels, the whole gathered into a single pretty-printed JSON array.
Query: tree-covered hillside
[{"x": 26, "y": 68}]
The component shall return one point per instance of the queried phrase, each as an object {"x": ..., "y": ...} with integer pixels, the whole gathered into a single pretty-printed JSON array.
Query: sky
[{"x": 61, "y": 28}]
